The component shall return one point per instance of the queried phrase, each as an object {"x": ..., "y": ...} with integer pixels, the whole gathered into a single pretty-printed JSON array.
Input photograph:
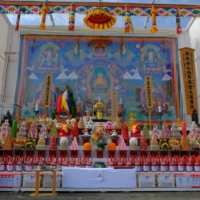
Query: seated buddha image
[
  {"x": 151, "y": 59},
  {"x": 100, "y": 81}
]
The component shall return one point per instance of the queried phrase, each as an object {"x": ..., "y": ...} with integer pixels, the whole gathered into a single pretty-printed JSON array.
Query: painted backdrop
[{"x": 109, "y": 63}]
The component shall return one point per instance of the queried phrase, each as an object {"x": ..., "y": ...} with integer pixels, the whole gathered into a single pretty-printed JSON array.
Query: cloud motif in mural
[
  {"x": 73, "y": 75},
  {"x": 136, "y": 76},
  {"x": 33, "y": 76},
  {"x": 166, "y": 77},
  {"x": 62, "y": 75}
]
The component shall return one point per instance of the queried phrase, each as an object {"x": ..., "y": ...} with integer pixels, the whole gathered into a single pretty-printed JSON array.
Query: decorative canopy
[{"x": 99, "y": 18}]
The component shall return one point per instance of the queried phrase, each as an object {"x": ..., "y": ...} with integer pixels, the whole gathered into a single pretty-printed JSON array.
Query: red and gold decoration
[
  {"x": 128, "y": 23},
  {"x": 71, "y": 26},
  {"x": 178, "y": 23},
  {"x": 18, "y": 19},
  {"x": 99, "y": 18},
  {"x": 154, "y": 28},
  {"x": 44, "y": 13}
]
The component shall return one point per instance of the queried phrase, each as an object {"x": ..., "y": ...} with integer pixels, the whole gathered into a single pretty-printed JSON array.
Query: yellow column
[
  {"x": 37, "y": 181},
  {"x": 54, "y": 183}
]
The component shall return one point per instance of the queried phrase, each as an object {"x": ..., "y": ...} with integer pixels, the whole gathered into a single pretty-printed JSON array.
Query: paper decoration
[
  {"x": 189, "y": 79},
  {"x": 122, "y": 145},
  {"x": 47, "y": 90},
  {"x": 74, "y": 145}
]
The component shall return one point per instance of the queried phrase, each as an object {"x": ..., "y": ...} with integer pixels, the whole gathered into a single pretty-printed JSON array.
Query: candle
[
  {"x": 36, "y": 105},
  {"x": 159, "y": 108}
]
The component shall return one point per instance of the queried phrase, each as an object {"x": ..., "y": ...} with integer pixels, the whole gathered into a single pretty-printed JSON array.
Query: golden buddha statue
[
  {"x": 99, "y": 109},
  {"x": 178, "y": 121}
]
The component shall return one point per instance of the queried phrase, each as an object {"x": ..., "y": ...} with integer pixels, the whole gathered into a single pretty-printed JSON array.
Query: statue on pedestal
[
  {"x": 8, "y": 117},
  {"x": 195, "y": 117}
]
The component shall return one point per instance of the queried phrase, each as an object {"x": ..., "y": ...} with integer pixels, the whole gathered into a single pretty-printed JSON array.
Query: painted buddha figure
[{"x": 100, "y": 81}]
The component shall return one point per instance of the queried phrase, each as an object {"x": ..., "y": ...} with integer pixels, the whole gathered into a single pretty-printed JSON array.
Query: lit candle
[
  {"x": 159, "y": 108},
  {"x": 36, "y": 105}
]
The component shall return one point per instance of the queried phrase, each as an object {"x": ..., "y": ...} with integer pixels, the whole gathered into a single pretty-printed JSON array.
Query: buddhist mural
[{"x": 91, "y": 64}]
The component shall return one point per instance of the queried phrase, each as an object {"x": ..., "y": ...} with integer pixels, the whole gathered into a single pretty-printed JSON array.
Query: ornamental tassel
[
  {"x": 128, "y": 24},
  {"x": 44, "y": 13},
  {"x": 18, "y": 19},
  {"x": 154, "y": 28},
  {"x": 71, "y": 25},
  {"x": 178, "y": 23}
]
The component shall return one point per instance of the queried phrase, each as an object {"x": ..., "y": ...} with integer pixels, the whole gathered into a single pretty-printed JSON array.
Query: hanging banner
[
  {"x": 148, "y": 89},
  {"x": 189, "y": 79},
  {"x": 47, "y": 90}
]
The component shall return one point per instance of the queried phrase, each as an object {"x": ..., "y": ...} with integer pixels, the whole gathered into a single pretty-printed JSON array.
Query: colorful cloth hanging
[
  {"x": 128, "y": 23},
  {"x": 71, "y": 26},
  {"x": 99, "y": 18},
  {"x": 44, "y": 13},
  {"x": 18, "y": 19},
  {"x": 178, "y": 23},
  {"x": 154, "y": 28},
  {"x": 63, "y": 102}
]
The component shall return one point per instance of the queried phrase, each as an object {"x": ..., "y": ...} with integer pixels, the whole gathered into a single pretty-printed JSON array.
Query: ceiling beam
[{"x": 103, "y": 4}]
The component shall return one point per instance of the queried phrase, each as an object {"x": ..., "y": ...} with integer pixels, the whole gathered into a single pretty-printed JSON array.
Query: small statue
[
  {"x": 64, "y": 131},
  {"x": 195, "y": 117},
  {"x": 99, "y": 138},
  {"x": 8, "y": 117}
]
